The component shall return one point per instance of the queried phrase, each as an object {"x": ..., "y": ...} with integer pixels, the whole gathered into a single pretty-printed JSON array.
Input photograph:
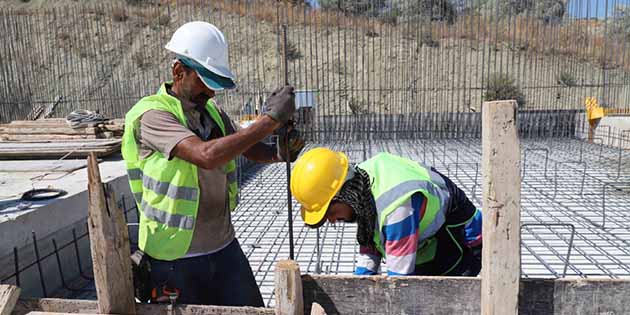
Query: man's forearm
[
  {"x": 224, "y": 149},
  {"x": 217, "y": 152}
]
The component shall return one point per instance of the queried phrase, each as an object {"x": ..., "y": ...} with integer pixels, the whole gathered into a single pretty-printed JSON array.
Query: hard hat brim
[
  {"x": 315, "y": 218},
  {"x": 211, "y": 80}
]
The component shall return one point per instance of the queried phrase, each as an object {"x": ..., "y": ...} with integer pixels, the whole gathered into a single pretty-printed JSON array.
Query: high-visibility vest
[
  {"x": 394, "y": 179},
  {"x": 167, "y": 191}
]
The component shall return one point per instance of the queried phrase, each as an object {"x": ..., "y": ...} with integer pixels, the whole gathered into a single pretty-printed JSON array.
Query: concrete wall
[
  {"x": 54, "y": 220},
  {"x": 614, "y": 131}
]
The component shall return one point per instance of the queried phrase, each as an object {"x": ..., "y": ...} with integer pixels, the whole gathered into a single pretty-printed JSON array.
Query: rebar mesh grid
[
  {"x": 570, "y": 227},
  {"x": 575, "y": 222}
]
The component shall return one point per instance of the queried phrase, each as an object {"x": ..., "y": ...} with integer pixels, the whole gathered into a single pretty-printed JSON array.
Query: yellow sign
[{"x": 593, "y": 110}]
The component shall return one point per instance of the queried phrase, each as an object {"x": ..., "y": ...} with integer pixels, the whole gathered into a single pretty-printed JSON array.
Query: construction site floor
[{"x": 574, "y": 217}]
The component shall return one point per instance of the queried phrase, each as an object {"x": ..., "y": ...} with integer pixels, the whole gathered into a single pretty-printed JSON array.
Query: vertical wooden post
[
  {"x": 289, "y": 297},
  {"x": 501, "y": 205},
  {"x": 9, "y": 295},
  {"x": 109, "y": 242}
]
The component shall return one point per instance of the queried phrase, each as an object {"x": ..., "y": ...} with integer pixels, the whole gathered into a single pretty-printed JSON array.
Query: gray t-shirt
[{"x": 161, "y": 131}]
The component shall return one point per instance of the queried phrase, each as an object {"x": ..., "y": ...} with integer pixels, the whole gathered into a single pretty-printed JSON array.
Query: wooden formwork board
[
  {"x": 25, "y": 306},
  {"x": 57, "y": 149},
  {"x": 9, "y": 295}
]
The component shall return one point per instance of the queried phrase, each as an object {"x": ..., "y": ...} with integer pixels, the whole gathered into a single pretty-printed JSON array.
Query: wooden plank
[
  {"x": 585, "y": 296},
  {"x": 414, "y": 295},
  {"x": 289, "y": 297},
  {"x": 56, "y": 149},
  {"x": 59, "y": 144},
  {"x": 377, "y": 295},
  {"x": 42, "y": 165},
  {"x": 24, "y": 306},
  {"x": 109, "y": 243},
  {"x": 45, "y": 130},
  {"x": 501, "y": 204},
  {"x": 317, "y": 309},
  {"x": 57, "y": 154},
  {"x": 9, "y": 294},
  {"x": 55, "y": 313},
  {"x": 24, "y": 137}
]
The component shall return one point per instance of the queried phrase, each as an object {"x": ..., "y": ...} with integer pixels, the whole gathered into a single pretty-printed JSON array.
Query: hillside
[{"x": 106, "y": 56}]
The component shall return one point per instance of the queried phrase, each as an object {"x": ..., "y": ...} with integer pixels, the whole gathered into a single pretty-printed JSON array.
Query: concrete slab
[{"x": 51, "y": 222}]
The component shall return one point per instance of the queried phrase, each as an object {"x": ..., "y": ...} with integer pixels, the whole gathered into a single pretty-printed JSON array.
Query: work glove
[
  {"x": 295, "y": 143},
  {"x": 281, "y": 104}
]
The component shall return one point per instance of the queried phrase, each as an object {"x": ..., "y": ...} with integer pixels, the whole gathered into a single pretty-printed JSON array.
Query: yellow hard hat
[{"x": 317, "y": 177}]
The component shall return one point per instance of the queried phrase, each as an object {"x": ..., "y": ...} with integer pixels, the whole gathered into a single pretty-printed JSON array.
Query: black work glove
[
  {"x": 296, "y": 143},
  {"x": 281, "y": 104}
]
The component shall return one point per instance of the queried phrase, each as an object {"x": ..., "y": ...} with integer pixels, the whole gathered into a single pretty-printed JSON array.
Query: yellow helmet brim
[
  {"x": 314, "y": 213},
  {"x": 315, "y": 217}
]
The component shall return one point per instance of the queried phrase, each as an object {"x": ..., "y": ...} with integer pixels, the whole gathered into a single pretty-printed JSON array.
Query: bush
[
  {"x": 550, "y": 11},
  {"x": 621, "y": 22},
  {"x": 355, "y": 7},
  {"x": 434, "y": 10},
  {"x": 293, "y": 53},
  {"x": 566, "y": 78},
  {"x": 357, "y": 106},
  {"x": 119, "y": 15},
  {"x": 501, "y": 86}
]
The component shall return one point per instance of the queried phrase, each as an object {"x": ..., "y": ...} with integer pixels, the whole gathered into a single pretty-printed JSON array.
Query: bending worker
[
  {"x": 180, "y": 149},
  {"x": 407, "y": 213}
]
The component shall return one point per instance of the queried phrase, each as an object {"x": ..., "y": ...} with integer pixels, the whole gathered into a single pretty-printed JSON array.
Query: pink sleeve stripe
[{"x": 402, "y": 247}]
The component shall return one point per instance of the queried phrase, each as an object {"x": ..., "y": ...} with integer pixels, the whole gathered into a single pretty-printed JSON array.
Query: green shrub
[
  {"x": 566, "y": 78},
  {"x": 500, "y": 86},
  {"x": 621, "y": 22},
  {"x": 119, "y": 14},
  {"x": 293, "y": 53},
  {"x": 355, "y": 7}
]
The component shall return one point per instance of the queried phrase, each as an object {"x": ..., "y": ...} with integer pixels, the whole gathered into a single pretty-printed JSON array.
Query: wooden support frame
[
  {"x": 398, "y": 295},
  {"x": 460, "y": 295},
  {"x": 109, "y": 242},
  {"x": 86, "y": 306},
  {"x": 501, "y": 157},
  {"x": 289, "y": 299}
]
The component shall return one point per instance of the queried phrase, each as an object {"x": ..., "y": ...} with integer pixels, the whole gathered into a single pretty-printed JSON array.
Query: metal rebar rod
[
  {"x": 570, "y": 245},
  {"x": 39, "y": 265},
  {"x": 16, "y": 264},
  {"x": 287, "y": 152}
]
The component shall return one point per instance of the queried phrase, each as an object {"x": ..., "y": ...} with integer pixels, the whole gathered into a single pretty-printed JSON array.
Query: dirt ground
[{"x": 106, "y": 56}]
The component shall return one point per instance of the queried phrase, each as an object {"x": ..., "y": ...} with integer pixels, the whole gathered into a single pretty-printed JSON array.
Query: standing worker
[
  {"x": 180, "y": 149},
  {"x": 408, "y": 213}
]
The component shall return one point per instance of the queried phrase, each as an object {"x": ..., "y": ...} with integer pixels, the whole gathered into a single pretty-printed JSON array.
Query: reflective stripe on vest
[
  {"x": 170, "y": 190},
  {"x": 404, "y": 188},
  {"x": 171, "y": 220}
]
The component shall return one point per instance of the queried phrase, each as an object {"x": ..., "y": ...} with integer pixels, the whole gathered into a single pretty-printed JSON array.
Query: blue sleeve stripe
[
  {"x": 392, "y": 273},
  {"x": 402, "y": 229},
  {"x": 407, "y": 226},
  {"x": 416, "y": 200},
  {"x": 362, "y": 271}
]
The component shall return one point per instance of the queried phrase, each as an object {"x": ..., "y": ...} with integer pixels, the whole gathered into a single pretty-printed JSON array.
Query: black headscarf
[{"x": 357, "y": 194}]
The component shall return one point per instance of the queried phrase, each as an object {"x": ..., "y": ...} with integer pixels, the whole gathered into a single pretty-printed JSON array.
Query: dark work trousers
[
  {"x": 453, "y": 257},
  {"x": 221, "y": 278}
]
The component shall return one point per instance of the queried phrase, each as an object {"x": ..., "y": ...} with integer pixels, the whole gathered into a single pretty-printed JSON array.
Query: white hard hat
[{"x": 204, "y": 44}]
